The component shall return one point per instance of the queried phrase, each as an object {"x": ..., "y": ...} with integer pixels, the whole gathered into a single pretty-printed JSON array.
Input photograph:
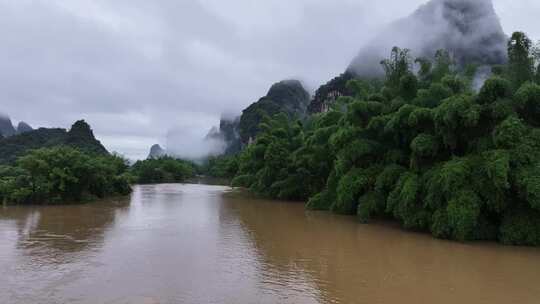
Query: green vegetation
[
  {"x": 48, "y": 166},
  {"x": 424, "y": 149},
  {"x": 220, "y": 166},
  {"x": 63, "y": 175},
  {"x": 162, "y": 170}
]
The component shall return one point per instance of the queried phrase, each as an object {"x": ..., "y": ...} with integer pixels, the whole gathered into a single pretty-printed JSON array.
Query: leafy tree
[
  {"x": 424, "y": 71},
  {"x": 494, "y": 89},
  {"x": 162, "y": 170},
  {"x": 63, "y": 175},
  {"x": 397, "y": 66},
  {"x": 520, "y": 59},
  {"x": 536, "y": 57},
  {"x": 221, "y": 166},
  {"x": 527, "y": 103},
  {"x": 443, "y": 65},
  {"x": 408, "y": 86}
]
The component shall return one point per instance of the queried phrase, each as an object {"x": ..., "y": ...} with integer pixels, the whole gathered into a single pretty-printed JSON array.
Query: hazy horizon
[{"x": 137, "y": 70}]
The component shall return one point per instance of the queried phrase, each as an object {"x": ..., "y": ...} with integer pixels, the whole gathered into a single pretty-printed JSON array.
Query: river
[{"x": 206, "y": 244}]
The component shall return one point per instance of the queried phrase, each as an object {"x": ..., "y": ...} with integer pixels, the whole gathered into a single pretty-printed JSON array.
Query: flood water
[{"x": 204, "y": 244}]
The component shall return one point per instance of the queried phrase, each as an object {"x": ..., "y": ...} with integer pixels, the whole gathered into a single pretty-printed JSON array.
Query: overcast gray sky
[{"x": 135, "y": 69}]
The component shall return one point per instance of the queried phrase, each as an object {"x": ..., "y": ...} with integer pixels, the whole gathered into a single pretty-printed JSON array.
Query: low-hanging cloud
[
  {"x": 187, "y": 144},
  {"x": 469, "y": 29}
]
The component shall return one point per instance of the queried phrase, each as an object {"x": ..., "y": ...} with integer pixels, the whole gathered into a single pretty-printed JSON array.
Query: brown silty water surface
[{"x": 206, "y": 244}]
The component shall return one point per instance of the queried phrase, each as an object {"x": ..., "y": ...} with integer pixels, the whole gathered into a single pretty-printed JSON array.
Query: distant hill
[
  {"x": 289, "y": 97},
  {"x": 228, "y": 133},
  {"x": 23, "y": 127},
  {"x": 79, "y": 136},
  {"x": 230, "y": 130},
  {"x": 156, "y": 151},
  {"x": 6, "y": 127},
  {"x": 329, "y": 92}
]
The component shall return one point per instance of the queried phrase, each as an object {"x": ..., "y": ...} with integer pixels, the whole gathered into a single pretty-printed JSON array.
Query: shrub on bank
[{"x": 63, "y": 175}]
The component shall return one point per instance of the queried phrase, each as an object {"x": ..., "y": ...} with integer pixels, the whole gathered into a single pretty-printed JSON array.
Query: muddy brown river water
[{"x": 204, "y": 244}]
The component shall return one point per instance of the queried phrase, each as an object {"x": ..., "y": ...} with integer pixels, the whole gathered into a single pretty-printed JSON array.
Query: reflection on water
[
  {"x": 40, "y": 245},
  {"x": 204, "y": 244},
  {"x": 61, "y": 232}
]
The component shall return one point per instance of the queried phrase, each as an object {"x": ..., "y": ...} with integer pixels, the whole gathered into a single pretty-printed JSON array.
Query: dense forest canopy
[{"x": 423, "y": 148}]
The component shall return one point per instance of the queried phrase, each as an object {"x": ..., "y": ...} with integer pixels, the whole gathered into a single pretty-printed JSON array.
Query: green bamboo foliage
[{"x": 424, "y": 149}]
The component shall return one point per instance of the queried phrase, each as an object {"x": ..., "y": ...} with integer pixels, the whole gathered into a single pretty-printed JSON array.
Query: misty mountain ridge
[
  {"x": 287, "y": 96},
  {"x": 80, "y": 136},
  {"x": 156, "y": 151},
  {"x": 7, "y": 129},
  {"x": 228, "y": 133},
  {"x": 23, "y": 127},
  {"x": 290, "y": 95},
  {"x": 330, "y": 92},
  {"x": 469, "y": 29}
]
